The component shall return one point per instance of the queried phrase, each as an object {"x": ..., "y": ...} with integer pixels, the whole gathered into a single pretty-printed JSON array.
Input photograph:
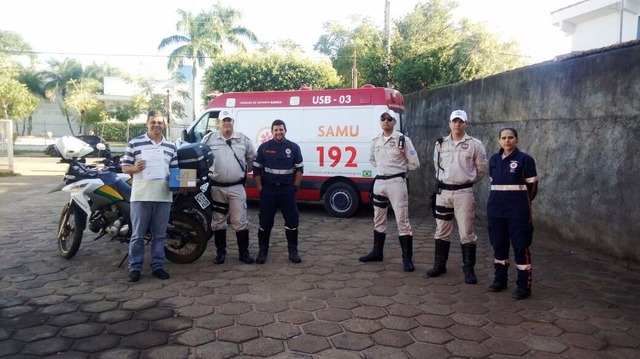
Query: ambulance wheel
[{"x": 341, "y": 200}]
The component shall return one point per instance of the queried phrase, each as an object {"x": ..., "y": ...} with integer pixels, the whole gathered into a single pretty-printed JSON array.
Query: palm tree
[
  {"x": 202, "y": 36},
  {"x": 55, "y": 81}
]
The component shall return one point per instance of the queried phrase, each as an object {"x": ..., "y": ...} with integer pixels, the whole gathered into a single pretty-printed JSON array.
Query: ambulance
[{"x": 334, "y": 129}]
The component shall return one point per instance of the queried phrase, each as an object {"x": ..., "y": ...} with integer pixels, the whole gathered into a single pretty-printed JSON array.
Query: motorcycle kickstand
[{"x": 127, "y": 254}]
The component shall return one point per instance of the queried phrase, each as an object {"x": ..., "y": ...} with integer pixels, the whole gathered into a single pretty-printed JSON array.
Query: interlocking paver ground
[{"x": 329, "y": 306}]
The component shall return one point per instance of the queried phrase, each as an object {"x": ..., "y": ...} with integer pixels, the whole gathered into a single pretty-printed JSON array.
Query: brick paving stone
[
  {"x": 36, "y": 333},
  {"x": 583, "y": 341},
  {"x": 466, "y": 332},
  {"x": 342, "y": 303},
  {"x": 99, "y": 307},
  {"x": 467, "y": 349},
  {"x": 469, "y": 319},
  {"x": 214, "y": 321},
  {"x": 263, "y": 347},
  {"x": 545, "y": 344},
  {"x": 618, "y": 339},
  {"x": 505, "y": 331},
  {"x": 576, "y": 326},
  {"x": 195, "y": 337},
  {"x": 398, "y": 323},
  {"x": 381, "y": 352},
  {"x": 255, "y": 319},
  {"x": 294, "y": 317},
  {"x": 366, "y": 312},
  {"x": 504, "y": 318},
  {"x": 173, "y": 324},
  {"x": 432, "y": 335},
  {"x": 139, "y": 304},
  {"x": 544, "y": 329},
  {"x": 333, "y": 314},
  {"x": 238, "y": 334},
  {"x": 195, "y": 311},
  {"x": 47, "y": 346},
  {"x": 213, "y": 299},
  {"x": 365, "y": 326},
  {"x": 82, "y": 330},
  {"x": 281, "y": 331},
  {"x": 114, "y": 316},
  {"x": 153, "y": 313},
  {"x": 506, "y": 346},
  {"x": 176, "y": 302},
  {"x": 128, "y": 327},
  {"x": 145, "y": 340},
  {"x": 168, "y": 352},
  {"x": 437, "y": 309},
  {"x": 17, "y": 311},
  {"x": 323, "y": 329},
  {"x": 308, "y": 304},
  {"x": 10, "y": 347},
  {"x": 48, "y": 300},
  {"x": 68, "y": 319},
  {"x": 420, "y": 350},
  {"x": 392, "y": 338},
  {"x": 352, "y": 341},
  {"x": 97, "y": 343},
  {"x": 217, "y": 350},
  {"x": 376, "y": 301},
  {"x": 306, "y": 343}
]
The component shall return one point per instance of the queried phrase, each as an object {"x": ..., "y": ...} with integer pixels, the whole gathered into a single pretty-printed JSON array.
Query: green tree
[
  {"x": 12, "y": 44},
  {"x": 268, "y": 72},
  {"x": 15, "y": 99},
  {"x": 56, "y": 79},
  {"x": 81, "y": 100},
  {"x": 203, "y": 36}
]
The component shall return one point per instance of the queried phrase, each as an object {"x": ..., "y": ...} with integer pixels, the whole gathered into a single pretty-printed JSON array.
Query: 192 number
[{"x": 334, "y": 153}]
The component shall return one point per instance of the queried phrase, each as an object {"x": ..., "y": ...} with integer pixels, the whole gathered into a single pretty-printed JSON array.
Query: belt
[
  {"x": 219, "y": 184},
  {"x": 402, "y": 174},
  {"x": 454, "y": 187},
  {"x": 508, "y": 187}
]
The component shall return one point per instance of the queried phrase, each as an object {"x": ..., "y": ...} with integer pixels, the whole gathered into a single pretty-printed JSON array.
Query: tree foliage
[
  {"x": 82, "y": 102},
  {"x": 268, "y": 72}
]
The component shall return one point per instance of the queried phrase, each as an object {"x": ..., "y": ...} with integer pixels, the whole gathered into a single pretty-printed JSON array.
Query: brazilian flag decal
[
  {"x": 110, "y": 193},
  {"x": 366, "y": 173}
]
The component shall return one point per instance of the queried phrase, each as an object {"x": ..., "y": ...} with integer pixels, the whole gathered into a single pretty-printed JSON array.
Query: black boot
[
  {"x": 469, "y": 261},
  {"x": 376, "y": 253},
  {"x": 292, "y": 245},
  {"x": 524, "y": 284},
  {"x": 263, "y": 244},
  {"x": 406, "y": 243},
  {"x": 441, "y": 257},
  {"x": 500, "y": 280},
  {"x": 243, "y": 246},
  {"x": 220, "y": 240}
]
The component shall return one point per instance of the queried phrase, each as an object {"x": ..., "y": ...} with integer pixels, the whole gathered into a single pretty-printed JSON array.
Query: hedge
[{"x": 117, "y": 131}]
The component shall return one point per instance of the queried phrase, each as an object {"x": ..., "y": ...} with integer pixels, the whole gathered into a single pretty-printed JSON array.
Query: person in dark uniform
[
  {"x": 514, "y": 184},
  {"x": 277, "y": 170}
]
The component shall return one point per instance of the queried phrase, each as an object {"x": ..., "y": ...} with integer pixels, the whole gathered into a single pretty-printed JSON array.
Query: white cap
[
  {"x": 225, "y": 114},
  {"x": 458, "y": 114}
]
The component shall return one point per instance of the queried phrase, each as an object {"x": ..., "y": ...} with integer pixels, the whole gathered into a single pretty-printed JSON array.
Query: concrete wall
[{"x": 578, "y": 117}]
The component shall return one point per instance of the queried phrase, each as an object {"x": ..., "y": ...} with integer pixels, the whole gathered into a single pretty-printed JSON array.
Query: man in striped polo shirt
[{"x": 147, "y": 159}]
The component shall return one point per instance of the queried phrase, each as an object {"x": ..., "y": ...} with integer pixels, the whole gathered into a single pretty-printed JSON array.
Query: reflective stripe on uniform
[
  {"x": 279, "y": 172},
  {"x": 531, "y": 179},
  {"x": 508, "y": 187}
]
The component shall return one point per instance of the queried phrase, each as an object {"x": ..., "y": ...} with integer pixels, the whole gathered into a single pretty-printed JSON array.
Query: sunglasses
[{"x": 388, "y": 119}]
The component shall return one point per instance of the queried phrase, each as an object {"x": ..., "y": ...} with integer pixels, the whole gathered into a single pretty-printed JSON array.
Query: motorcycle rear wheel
[
  {"x": 185, "y": 241},
  {"x": 191, "y": 209},
  {"x": 69, "y": 233}
]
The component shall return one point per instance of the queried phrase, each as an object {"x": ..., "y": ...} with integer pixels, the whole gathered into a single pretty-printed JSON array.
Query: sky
[{"x": 126, "y": 33}]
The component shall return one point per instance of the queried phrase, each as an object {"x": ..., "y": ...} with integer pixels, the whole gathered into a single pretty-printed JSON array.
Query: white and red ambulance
[{"x": 334, "y": 129}]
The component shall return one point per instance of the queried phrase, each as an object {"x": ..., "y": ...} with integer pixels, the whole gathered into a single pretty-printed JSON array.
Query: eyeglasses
[{"x": 388, "y": 119}]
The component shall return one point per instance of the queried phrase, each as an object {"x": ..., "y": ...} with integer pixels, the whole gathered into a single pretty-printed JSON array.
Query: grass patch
[{"x": 7, "y": 173}]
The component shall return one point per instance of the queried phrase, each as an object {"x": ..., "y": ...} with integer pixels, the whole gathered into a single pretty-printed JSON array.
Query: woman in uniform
[{"x": 514, "y": 185}]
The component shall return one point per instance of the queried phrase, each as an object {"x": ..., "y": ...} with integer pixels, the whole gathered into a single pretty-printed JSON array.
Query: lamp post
[{"x": 168, "y": 129}]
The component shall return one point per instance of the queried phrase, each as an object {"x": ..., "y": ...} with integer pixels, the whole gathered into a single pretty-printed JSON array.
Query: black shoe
[
  {"x": 219, "y": 259},
  {"x": 160, "y": 274},
  {"x": 294, "y": 257},
  {"x": 245, "y": 258},
  {"x": 134, "y": 276},
  {"x": 521, "y": 293},
  {"x": 497, "y": 287}
]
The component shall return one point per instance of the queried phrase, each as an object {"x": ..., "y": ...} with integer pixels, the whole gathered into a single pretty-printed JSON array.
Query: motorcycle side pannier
[{"x": 196, "y": 156}]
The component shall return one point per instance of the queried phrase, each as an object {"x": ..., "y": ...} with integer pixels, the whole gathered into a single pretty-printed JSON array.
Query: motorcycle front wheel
[
  {"x": 185, "y": 241},
  {"x": 69, "y": 233}
]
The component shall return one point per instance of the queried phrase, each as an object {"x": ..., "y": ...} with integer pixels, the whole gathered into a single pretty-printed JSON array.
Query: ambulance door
[{"x": 208, "y": 122}]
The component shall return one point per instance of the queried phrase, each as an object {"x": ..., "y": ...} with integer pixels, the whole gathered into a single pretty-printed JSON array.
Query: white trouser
[
  {"x": 236, "y": 197},
  {"x": 463, "y": 205},
  {"x": 395, "y": 189}
]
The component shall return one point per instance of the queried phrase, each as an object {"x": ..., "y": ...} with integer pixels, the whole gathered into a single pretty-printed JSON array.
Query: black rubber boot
[
  {"x": 441, "y": 257},
  {"x": 263, "y": 244},
  {"x": 524, "y": 285},
  {"x": 501, "y": 277},
  {"x": 376, "y": 254},
  {"x": 292, "y": 245},
  {"x": 243, "y": 246},
  {"x": 220, "y": 240},
  {"x": 469, "y": 261},
  {"x": 406, "y": 243}
]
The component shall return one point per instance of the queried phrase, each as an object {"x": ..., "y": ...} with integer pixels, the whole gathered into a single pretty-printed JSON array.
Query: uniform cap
[
  {"x": 226, "y": 114},
  {"x": 458, "y": 114}
]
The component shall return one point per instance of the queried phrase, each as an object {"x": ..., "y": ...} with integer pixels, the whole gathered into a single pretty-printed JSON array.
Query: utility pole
[
  {"x": 354, "y": 69},
  {"x": 168, "y": 128},
  {"x": 387, "y": 38}
]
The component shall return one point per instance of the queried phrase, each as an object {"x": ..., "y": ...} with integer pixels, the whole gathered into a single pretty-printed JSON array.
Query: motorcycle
[{"x": 101, "y": 198}]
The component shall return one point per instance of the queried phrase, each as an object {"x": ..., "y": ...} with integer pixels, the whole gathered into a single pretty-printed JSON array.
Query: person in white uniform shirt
[
  {"x": 233, "y": 156},
  {"x": 392, "y": 155},
  {"x": 460, "y": 161}
]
